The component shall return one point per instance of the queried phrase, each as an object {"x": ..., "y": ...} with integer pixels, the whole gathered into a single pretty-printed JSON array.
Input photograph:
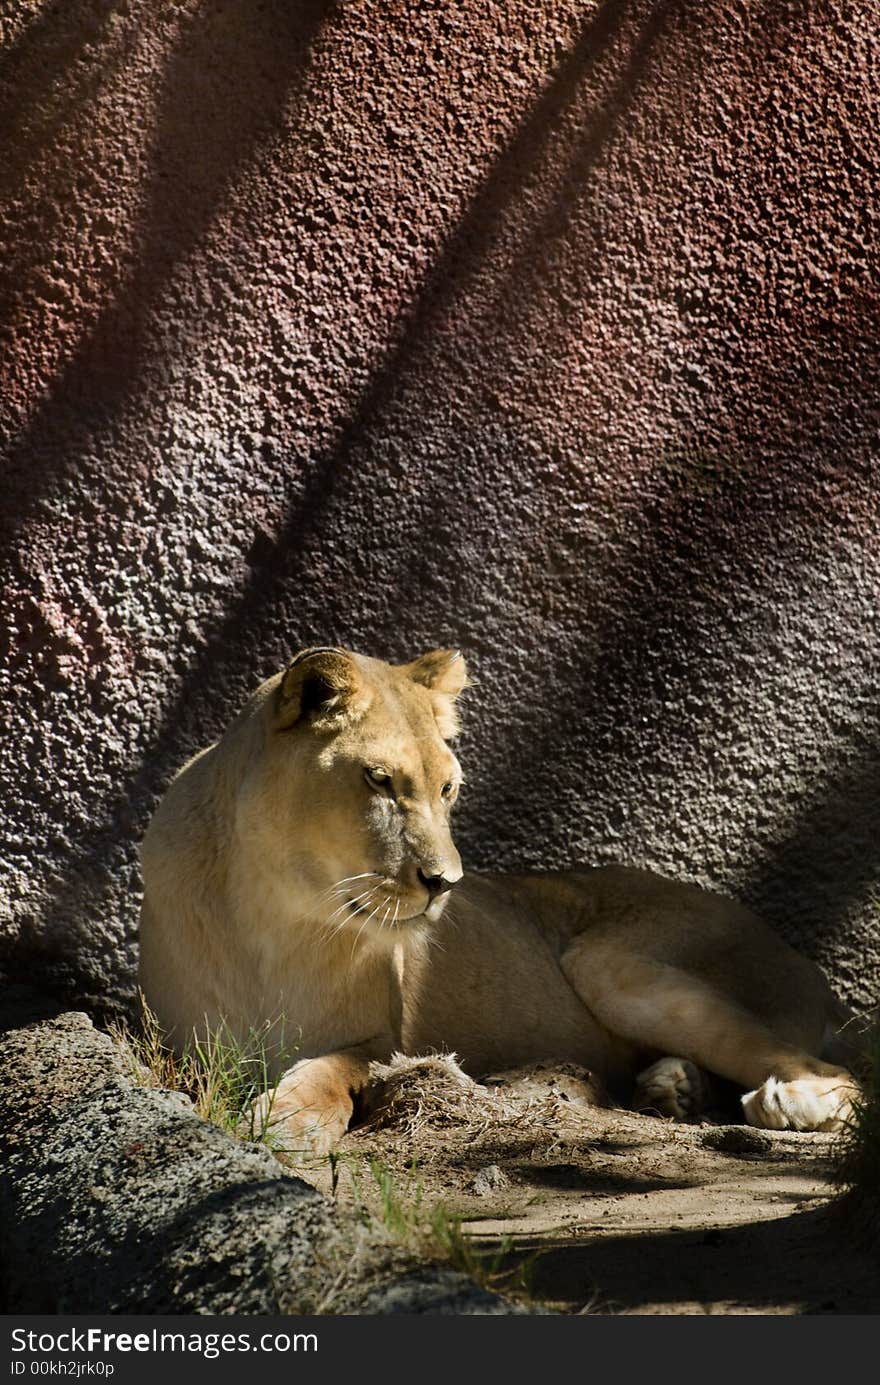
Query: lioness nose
[{"x": 435, "y": 884}]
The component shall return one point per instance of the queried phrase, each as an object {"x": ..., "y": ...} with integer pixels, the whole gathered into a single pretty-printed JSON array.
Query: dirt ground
[{"x": 608, "y": 1211}]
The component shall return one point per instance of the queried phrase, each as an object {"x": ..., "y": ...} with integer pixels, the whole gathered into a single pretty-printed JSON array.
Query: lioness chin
[{"x": 300, "y": 877}]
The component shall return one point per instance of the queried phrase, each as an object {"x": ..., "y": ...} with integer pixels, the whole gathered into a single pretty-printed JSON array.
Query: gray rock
[
  {"x": 490, "y": 1180},
  {"x": 115, "y": 1198},
  {"x": 738, "y": 1139}
]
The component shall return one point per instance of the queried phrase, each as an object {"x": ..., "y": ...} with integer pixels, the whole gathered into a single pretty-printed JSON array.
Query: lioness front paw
[
  {"x": 807, "y": 1103},
  {"x": 305, "y": 1114},
  {"x": 671, "y": 1087}
]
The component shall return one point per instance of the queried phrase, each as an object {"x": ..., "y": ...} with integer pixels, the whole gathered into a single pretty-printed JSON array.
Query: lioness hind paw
[
  {"x": 673, "y": 1087},
  {"x": 807, "y": 1103}
]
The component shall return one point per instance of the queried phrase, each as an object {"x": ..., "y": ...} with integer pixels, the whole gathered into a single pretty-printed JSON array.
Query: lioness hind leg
[
  {"x": 662, "y": 1007},
  {"x": 672, "y": 1087}
]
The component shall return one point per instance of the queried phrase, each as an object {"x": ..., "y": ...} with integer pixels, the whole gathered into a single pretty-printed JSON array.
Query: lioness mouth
[{"x": 396, "y": 922}]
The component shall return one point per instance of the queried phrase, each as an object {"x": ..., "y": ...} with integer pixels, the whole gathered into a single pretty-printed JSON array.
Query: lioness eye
[
  {"x": 377, "y": 778},
  {"x": 447, "y": 790}
]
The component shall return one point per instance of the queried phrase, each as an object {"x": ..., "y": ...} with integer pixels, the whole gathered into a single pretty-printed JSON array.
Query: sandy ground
[{"x": 610, "y": 1211}]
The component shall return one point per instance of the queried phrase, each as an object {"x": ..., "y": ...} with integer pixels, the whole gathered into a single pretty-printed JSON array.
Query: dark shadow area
[
  {"x": 799, "y": 1263},
  {"x": 21, "y": 1006},
  {"x": 572, "y": 1178},
  {"x": 148, "y": 1270}
]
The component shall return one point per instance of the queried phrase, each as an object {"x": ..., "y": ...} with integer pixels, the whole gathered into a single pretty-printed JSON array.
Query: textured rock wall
[{"x": 548, "y": 330}]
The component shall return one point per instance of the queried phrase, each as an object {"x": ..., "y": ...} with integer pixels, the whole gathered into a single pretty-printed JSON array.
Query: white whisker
[
  {"x": 338, "y": 885},
  {"x": 367, "y": 920},
  {"x": 346, "y": 902},
  {"x": 331, "y": 929}
]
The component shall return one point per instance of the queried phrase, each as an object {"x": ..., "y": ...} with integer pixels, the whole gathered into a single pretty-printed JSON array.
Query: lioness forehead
[{"x": 399, "y": 729}]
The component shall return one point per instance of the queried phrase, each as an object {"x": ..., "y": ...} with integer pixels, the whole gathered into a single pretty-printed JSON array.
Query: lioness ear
[
  {"x": 324, "y": 685},
  {"x": 444, "y": 673}
]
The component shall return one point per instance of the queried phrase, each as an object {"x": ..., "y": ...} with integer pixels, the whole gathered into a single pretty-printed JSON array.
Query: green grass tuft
[{"x": 220, "y": 1074}]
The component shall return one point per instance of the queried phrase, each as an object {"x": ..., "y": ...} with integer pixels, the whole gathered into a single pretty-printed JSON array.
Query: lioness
[{"x": 301, "y": 869}]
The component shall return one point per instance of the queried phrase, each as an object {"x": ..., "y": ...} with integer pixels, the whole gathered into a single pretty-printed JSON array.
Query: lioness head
[{"x": 350, "y": 806}]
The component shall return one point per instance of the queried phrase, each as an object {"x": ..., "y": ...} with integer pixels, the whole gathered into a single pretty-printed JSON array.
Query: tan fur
[{"x": 285, "y": 885}]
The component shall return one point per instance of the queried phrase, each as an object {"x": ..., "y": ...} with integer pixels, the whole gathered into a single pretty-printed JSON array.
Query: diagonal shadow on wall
[
  {"x": 254, "y": 617},
  {"x": 198, "y": 146}
]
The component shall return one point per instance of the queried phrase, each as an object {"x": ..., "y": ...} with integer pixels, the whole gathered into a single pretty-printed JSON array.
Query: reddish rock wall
[{"x": 547, "y": 330}]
